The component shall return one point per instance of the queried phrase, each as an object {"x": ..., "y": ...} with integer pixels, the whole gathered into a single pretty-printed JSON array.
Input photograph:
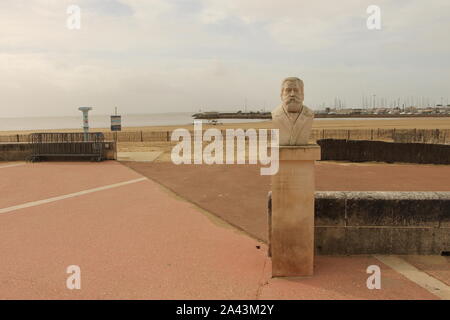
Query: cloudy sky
[{"x": 154, "y": 56}]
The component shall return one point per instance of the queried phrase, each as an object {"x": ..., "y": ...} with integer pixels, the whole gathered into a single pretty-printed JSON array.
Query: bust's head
[{"x": 292, "y": 94}]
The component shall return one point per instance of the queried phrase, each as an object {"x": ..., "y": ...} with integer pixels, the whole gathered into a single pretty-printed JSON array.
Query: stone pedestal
[{"x": 292, "y": 227}]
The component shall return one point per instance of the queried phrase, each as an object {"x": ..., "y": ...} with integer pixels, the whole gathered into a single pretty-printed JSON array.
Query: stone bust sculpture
[{"x": 292, "y": 118}]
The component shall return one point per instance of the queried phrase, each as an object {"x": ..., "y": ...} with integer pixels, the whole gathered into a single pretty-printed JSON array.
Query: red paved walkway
[
  {"x": 215, "y": 187},
  {"x": 35, "y": 181},
  {"x": 140, "y": 241}
]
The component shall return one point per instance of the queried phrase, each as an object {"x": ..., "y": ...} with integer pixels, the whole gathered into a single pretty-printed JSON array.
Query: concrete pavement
[{"x": 134, "y": 239}]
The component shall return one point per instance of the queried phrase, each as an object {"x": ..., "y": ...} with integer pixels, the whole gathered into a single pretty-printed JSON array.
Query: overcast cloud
[{"x": 154, "y": 56}]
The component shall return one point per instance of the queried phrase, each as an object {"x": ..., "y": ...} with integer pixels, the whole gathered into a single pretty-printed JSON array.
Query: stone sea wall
[{"x": 381, "y": 223}]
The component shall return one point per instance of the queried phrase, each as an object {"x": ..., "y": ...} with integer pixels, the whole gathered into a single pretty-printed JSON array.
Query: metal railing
[
  {"x": 70, "y": 144},
  {"x": 431, "y": 136}
]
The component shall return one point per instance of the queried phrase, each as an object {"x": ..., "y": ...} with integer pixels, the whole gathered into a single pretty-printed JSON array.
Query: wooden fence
[{"x": 432, "y": 136}]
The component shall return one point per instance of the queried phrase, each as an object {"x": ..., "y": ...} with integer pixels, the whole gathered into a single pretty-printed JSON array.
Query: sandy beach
[
  {"x": 407, "y": 123},
  {"x": 330, "y": 124}
]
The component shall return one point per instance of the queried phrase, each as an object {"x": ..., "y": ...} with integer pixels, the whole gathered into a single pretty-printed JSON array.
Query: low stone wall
[
  {"x": 382, "y": 223},
  {"x": 14, "y": 151},
  {"x": 363, "y": 150},
  {"x": 21, "y": 151}
]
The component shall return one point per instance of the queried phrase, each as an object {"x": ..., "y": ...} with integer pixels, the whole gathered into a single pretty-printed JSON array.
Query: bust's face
[{"x": 292, "y": 96}]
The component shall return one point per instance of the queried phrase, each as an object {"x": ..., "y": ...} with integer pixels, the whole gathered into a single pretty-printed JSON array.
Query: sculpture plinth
[{"x": 292, "y": 221}]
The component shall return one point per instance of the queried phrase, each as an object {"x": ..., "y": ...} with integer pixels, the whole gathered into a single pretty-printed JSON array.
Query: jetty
[
  {"x": 232, "y": 115},
  {"x": 268, "y": 115}
]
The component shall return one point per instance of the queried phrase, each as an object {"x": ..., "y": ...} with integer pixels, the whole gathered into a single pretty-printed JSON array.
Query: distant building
[{"x": 381, "y": 111}]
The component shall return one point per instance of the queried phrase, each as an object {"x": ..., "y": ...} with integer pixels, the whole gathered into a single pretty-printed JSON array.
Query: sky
[{"x": 158, "y": 56}]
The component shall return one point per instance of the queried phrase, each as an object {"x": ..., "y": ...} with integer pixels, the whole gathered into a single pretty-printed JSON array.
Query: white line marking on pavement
[
  {"x": 421, "y": 278},
  {"x": 70, "y": 195},
  {"x": 12, "y": 165}
]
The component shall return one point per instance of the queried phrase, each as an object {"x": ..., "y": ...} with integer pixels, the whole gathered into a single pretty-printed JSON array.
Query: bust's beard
[{"x": 294, "y": 106}]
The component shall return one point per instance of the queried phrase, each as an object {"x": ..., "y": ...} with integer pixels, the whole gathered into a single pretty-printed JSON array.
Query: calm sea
[{"x": 102, "y": 121}]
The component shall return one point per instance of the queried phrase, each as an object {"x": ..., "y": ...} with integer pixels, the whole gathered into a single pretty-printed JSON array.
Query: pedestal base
[{"x": 292, "y": 231}]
